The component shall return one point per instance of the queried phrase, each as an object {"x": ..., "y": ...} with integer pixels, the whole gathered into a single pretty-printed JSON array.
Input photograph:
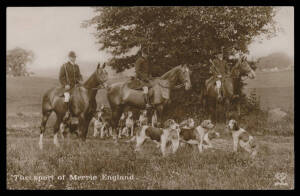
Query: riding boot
[
  {"x": 67, "y": 115},
  {"x": 146, "y": 99}
]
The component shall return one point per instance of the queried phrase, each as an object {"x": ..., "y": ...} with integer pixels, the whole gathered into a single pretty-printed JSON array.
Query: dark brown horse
[
  {"x": 82, "y": 103},
  {"x": 121, "y": 96},
  {"x": 226, "y": 89}
]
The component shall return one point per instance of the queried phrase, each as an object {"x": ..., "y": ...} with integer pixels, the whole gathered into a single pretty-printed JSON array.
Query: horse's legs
[
  {"x": 159, "y": 113},
  {"x": 45, "y": 117},
  {"x": 131, "y": 134},
  {"x": 56, "y": 127},
  {"x": 83, "y": 126},
  {"x": 238, "y": 105},
  {"x": 212, "y": 111},
  {"x": 117, "y": 112},
  {"x": 227, "y": 110}
]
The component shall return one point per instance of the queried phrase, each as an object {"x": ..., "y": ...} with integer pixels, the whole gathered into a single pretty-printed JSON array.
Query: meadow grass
[{"x": 218, "y": 168}]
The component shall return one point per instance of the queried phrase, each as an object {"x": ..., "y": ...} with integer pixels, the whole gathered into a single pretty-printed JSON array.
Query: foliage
[
  {"x": 179, "y": 35},
  {"x": 17, "y": 60}
]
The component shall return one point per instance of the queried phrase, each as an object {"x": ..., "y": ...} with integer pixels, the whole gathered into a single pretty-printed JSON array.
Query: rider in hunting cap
[
  {"x": 219, "y": 64},
  {"x": 142, "y": 70},
  {"x": 69, "y": 76},
  {"x": 218, "y": 68}
]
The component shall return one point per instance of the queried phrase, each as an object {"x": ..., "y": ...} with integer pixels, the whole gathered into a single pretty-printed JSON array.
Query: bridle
[
  {"x": 100, "y": 86},
  {"x": 175, "y": 87}
]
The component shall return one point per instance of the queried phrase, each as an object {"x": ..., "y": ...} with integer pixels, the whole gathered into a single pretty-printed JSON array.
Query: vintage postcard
[{"x": 141, "y": 97}]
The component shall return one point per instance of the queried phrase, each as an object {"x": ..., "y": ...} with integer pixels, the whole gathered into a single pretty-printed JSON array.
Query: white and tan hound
[
  {"x": 170, "y": 133},
  {"x": 121, "y": 124},
  {"x": 143, "y": 119},
  {"x": 187, "y": 124},
  {"x": 129, "y": 125},
  {"x": 101, "y": 123},
  {"x": 66, "y": 127},
  {"x": 98, "y": 125},
  {"x": 241, "y": 138},
  {"x": 200, "y": 135}
]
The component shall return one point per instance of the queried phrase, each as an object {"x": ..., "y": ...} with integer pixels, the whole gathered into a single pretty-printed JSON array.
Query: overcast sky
[{"x": 51, "y": 32}]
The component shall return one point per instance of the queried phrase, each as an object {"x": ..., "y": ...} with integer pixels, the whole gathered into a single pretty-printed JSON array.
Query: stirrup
[{"x": 68, "y": 114}]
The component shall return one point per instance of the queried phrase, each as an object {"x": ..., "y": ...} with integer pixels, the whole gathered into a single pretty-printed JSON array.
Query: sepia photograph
[{"x": 150, "y": 98}]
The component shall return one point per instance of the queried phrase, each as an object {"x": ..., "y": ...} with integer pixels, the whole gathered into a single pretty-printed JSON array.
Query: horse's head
[
  {"x": 184, "y": 76},
  {"x": 101, "y": 74},
  {"x": 243, "y": 69}
]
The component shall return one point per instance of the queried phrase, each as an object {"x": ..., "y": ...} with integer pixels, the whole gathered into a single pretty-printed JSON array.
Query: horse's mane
[
  {"x": 91, "y": 79},
  {"x": 170, "y": 73}
]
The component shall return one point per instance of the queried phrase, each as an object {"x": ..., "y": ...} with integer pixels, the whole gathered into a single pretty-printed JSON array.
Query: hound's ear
[
  {"x": 168, "y": 123},
  {"x": 236, "y": 126},
  {"x": 204, "y": 124},
  {"x": 103, "y": 66}
]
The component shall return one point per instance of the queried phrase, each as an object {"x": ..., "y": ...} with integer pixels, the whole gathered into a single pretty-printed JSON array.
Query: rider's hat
[{"x": 72, "y": 54}]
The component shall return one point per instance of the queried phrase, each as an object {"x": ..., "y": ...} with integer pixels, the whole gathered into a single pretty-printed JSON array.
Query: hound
[
  {"x": 241, "y": 138},
  {"x": 97, "y": 123},
  {"x": 200, "y": 135},
  {"x": 67, "y": 127},
  {"x": 170, "y": 133},
  {"x": 187, "y": 124},
  {"x": 121, "y": 124},
  {"x": 101, "y": 123},
  {"x": 129, "y": 125},
  {"x": 143, "y": 119}
]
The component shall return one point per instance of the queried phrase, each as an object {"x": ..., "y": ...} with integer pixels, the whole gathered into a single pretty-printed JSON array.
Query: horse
[
  {"x": 82, "y": 104},
  {"x": 224, "y": 89},
  {"x": 120, "y": 96}
]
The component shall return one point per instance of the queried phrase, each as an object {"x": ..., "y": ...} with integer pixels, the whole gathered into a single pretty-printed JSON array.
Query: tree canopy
[
  {"x": 179, "y": 35},
  {"x": 175, "y": 35},
  {"x": 17, "y": 60}
]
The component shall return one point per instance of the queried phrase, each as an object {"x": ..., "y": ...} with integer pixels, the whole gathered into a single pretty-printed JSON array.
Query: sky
[{"x": 51, "y": 32}]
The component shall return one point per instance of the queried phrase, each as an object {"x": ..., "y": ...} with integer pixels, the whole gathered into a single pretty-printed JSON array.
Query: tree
[
  {"x": 17, "y": 60},
  {"x": 179, "y": 35}
]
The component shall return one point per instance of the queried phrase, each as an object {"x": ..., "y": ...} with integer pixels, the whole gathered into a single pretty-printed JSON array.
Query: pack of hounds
[{"x": 170, "y": 134}]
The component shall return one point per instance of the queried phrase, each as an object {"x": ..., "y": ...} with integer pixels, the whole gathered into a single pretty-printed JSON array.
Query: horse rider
[
  {"x": 219, "y": 64},
  {"x": 218, "y": 68},
  {"x": 143, "y": 74},
  {"x": 69, "y": 76}
]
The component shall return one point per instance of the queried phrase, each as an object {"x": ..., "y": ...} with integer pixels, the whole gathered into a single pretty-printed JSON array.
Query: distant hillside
[
  {"x": 277, "y": 60},
  {"x": 275, "y": 89},
  {"x": 86, "y": 68}
]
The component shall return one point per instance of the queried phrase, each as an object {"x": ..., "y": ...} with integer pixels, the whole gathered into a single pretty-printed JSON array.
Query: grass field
[
  {"x": 187, "y": 169},
  {"x": 275, "y": 89}
]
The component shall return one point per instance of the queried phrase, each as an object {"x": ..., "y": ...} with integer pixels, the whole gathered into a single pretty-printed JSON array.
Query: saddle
[
  {"x": 61, "y": 91},
  {"x": 212, "y": 81},
  {"x": 155, "y": 91},
  {"x": 137, "y": 84}
]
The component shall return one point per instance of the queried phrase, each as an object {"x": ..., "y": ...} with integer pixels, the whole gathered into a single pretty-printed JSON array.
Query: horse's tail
[{"x": 46, "y": 102}]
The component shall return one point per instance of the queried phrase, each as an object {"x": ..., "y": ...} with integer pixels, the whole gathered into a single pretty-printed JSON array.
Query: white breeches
[
  {"x": 67, "y": 96},
  {"x": 145, "y": 90}
]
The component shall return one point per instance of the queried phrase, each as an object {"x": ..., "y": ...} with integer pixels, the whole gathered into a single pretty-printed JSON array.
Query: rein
[
  {"x": 175, "y": 87},
  {"x": 96, "y": 88}
]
